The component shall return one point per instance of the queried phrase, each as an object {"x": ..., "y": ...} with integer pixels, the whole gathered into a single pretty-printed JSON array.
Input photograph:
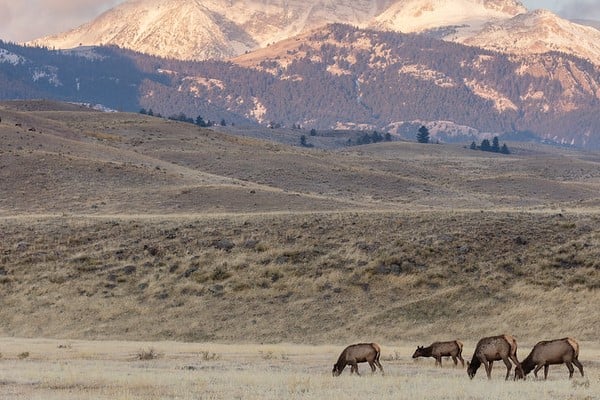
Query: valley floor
[{"x": 72, "y": 369}]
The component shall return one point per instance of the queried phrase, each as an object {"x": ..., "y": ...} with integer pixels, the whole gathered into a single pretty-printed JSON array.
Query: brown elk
[
  {"x": 438, "y": 350},
  {"x": 495, "y": 348},
  {"x": 358, "y": 353},
  {"x": 550, "y": 352}
]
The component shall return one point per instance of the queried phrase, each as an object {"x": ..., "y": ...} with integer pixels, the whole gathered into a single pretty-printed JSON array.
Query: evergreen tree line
[
  {"x": 374, "y": 137},
  {"x": 365, "y": 138},
  {"x": 493, "y": 147},
  {"x": 184, "y": 118}
]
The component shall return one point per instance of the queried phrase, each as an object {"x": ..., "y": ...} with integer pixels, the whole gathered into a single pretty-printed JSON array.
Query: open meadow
[
  {"x": 142, "y": 258},
  {"x": 73, "y": 369}
]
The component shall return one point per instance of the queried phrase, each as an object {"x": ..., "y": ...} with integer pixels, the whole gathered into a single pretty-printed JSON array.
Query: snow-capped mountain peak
[
  {"x": 539, "y": 31},
  {"x": 464, "y": 15},
  {"x": 220, "y": 29},
  {"x": 193, "y": 29}
]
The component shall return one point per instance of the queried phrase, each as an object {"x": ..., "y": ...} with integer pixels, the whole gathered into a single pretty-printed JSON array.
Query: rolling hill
[{"x": 126, "y": 226}]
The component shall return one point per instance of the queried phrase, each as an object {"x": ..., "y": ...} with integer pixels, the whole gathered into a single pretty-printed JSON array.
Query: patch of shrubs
[{"x": 145, "y": 355}]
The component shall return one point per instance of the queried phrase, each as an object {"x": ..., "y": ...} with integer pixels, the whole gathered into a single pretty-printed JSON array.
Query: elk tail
[
  {"x": 512, "y": 342},
  {"x": 377, "y": 349},
  {"x": 575, "y": 345},
  {"x": 460, "y": 346}
]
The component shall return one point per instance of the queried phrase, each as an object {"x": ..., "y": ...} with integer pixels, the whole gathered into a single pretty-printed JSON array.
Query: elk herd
[{"x": 488, "y": 349}]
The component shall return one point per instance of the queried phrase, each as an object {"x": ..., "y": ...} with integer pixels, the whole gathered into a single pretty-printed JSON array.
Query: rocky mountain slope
[
  {"x": 347, "y": 78},
  {"x": 336, "y": 77}
]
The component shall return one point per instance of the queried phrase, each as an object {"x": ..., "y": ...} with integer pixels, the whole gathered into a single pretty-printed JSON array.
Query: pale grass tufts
[
  {"x": 208, "y": 356},
  {"x": 149, "y": 354},
  {"x": 242, "y": 371}
]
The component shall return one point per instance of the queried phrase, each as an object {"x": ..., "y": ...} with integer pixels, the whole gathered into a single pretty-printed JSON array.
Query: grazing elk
[
  {"x": 495, "y": 348},
  {"x": 549, "y": 352},
  {"x": 358, "y": 353},
  {"x": 438, "y": 350}
]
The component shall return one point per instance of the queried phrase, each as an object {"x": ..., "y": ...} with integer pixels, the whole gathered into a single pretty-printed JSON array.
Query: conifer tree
[
  {"x": 485, "y": 145},
  {"x": 495, "y": 145},
  {"x": 423, "y": 135}
]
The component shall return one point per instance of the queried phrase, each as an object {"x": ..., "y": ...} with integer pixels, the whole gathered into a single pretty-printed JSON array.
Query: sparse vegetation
[
  {"x": 208, "y": 356},
  {"x": 148, "y": 354}
]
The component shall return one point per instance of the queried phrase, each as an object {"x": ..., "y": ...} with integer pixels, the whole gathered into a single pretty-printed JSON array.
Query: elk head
[{"x": 417, "y": 352}]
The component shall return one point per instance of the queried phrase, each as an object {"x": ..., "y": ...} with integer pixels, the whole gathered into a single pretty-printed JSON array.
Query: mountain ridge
[
  {"x": 224, "y": 29},
  {"x": 193, "y": 30}
]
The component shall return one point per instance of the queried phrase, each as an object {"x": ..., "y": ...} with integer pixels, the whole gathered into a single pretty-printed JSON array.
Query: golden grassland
[
  {"x": 302, "y": 278},
  {"x": 75, "y": 369}
]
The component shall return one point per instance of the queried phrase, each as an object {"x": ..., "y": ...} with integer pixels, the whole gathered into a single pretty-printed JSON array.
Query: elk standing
[
  {"x": 358, "y": 353},
  {"x": 495, "y": 348},
  {"x": 549, "y": 352},
  {"x": 438, "y": 350}
]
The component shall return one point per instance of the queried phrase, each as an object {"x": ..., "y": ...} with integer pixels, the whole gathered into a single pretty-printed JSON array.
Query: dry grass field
[
  {"x": 121, "y": 233},
  {"x": 74, "y": 369}
]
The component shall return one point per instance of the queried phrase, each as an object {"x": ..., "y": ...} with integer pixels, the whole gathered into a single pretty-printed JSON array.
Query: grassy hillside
[{"x": 125, "y": 226}]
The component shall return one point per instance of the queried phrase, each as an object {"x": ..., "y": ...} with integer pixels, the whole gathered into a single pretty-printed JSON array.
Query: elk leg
[
  {"x": 462, "y": 361},
  {"x": 518, "y": 367},
  {"x": 438, "y": 360},
  {"x": 571, "y": 369},
  {"x": 535, "y": 371},
  {"x": 488, "y": 368},
  {"x": 379, "y": 365},
  {"x": 508, "y": 367},
  {"x": 455, "y": 360},
  {"x": 578, "y": 365},
  {"x": 546, "y": 368},
  {"x": 372, "y": 365}
]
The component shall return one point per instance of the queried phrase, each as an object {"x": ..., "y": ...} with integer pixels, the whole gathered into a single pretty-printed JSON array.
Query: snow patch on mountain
[
  {"x": 466, "y": 17},
  {"x": 10, "y": 58},
  {"x": 259, "y": 111},
  {"x": 423, "y": 73},
  {"x": 49, "y": 74},
  {"x": 501, "y": 102}
]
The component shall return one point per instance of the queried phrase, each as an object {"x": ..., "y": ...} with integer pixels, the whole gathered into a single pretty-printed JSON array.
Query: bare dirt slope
[{"x": 126, "y": 226}]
